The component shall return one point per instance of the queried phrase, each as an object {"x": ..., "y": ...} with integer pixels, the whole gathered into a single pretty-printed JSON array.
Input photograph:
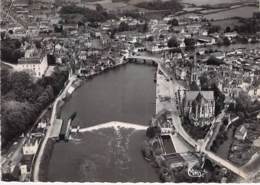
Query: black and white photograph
[{"x": 130, "y": 91}]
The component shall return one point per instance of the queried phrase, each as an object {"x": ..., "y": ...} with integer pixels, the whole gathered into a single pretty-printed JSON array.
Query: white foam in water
[{"x": 113, "y": 124}]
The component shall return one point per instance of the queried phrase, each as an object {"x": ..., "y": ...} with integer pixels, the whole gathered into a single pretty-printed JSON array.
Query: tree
[
  {"x": 214, "y": 61},
  {"x": 194, "y": 86},
  {"x": 150, "y": 39},
  {"x": 219, "y": 99},
  {"x": 5, "y": 81},
  {"x": 214, "y": 29},
  {"x": 99, "y": 8},
  {"x": 172, "y": 42},
  {"x": 112, "y": 35},
  {"x": 24, "y": 99},
  {"x": 123, "y": 26},
  {"x": 226, "y": 41},
  {"x": 174, "y": 22},
  {"x": 228, "y": 29},
  {"x": 190, "y": 43},
  {"x": 145, "y": 27},
  {"x": 173, "y": 5},
  {"x": 151, "y": 132}
]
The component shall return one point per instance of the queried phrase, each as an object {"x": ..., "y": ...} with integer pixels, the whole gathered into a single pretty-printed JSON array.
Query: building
[
  {"x": 34, "y": 62},
  {"x": 31, "y": 146},
  {"x": 230, "y": 34},
  {"x": 199, "y": 106},
  {"x": 241, "y": 133},
  {"x": 258, "y": 116}
]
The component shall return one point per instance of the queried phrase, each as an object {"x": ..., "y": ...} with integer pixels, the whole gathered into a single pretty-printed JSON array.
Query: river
[{"x": 107, "y": 155}]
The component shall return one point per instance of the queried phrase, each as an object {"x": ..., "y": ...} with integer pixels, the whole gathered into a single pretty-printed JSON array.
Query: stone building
[
  {"x": 34, "y": 62},
  {"x": 199, "y": 106}
]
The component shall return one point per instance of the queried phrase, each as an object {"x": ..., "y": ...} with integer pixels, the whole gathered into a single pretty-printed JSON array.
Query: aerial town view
[{"x": 130, "y": 91}]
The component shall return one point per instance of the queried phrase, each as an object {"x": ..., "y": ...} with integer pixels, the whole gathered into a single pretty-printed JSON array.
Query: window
[{"x": 203, "y": 110}]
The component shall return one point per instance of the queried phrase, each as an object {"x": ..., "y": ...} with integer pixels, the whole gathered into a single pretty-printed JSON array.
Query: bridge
[
  {"x": 113, "y": 124},
  {"x": 157, "y": 60}
]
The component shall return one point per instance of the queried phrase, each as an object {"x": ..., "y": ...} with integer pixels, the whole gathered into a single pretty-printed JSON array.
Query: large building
[
  {"x": 34, "y": 62},
  {"x": 199, "y": 106}
]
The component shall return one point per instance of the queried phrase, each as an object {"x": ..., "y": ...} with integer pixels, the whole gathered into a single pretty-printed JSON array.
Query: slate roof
[{"x": 192, "y": 95}]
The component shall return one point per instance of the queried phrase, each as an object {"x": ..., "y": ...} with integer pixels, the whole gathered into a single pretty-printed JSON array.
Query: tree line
[
  {"x": 98, "y": 15},
  {"x": 173, "y": 5},
  {"x": 10, "y": 50}
]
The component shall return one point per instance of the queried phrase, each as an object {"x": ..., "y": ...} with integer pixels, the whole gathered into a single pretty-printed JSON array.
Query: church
[{"x": 199, "y": 106}]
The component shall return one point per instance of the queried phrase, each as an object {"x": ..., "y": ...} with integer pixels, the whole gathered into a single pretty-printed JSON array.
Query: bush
[
  {"x": 172, "y": 42},
  {"x": 151, "y": 132}
]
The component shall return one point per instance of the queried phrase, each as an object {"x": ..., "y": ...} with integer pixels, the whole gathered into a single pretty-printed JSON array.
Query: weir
[{"x": 113, "y": 124}]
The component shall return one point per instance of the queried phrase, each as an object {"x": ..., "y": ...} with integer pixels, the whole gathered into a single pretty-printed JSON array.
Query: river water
[{"x": 107, "y": 155}]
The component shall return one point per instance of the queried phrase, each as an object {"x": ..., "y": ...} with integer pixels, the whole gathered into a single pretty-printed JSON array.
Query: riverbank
[
  {"x": 38, "y": 161},
  {"x": 166, "y": 87}
]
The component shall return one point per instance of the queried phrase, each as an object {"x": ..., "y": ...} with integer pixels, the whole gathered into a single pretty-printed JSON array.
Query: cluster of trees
[
  {"x": 98, "y": 15},
  {"x": 123, "y": 26},
  {"x": 190, "y": 43},
  {"x": 214, "y": 61},
  {"x": 152, "y": 132},
  {"x": 172, "y": 42},
  {"x": 226, "y": 41},
  {"x": 23, "y": 99},
  {"x": 10, "y": 50},
  {"x": 195, "y": 132},
  {"x": 248, "y": 26},
  {"x": 214, "y": 29},
  {"x": 173, "y": 22},
  {"x": 244, "y": 107},
  {"x": 173, "y": 5}
]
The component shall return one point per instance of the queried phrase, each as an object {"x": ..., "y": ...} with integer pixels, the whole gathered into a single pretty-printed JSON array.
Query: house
[
  {"x": 199, "y": 105},
  {"x": 206, "y": 40},
  {"x": 31, "y": 146},
  {"x": 255, "y": 92},
  {"x": 34, "y": 62},
  {"x": 195, "y": 73},
  {"x": 241, "y": 133},
  {"x": 258, "y": 116},
  {"x": 231, "y": 34},
  {"x": 219, "y": 55},
  {"x": 215, "y": 35}
]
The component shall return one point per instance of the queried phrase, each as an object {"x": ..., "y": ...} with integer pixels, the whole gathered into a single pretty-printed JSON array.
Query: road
[{"x": 53, "y": 117}]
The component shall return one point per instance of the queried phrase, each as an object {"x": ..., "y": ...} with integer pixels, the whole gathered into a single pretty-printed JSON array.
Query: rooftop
[{"x": 192, "y": 95}]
